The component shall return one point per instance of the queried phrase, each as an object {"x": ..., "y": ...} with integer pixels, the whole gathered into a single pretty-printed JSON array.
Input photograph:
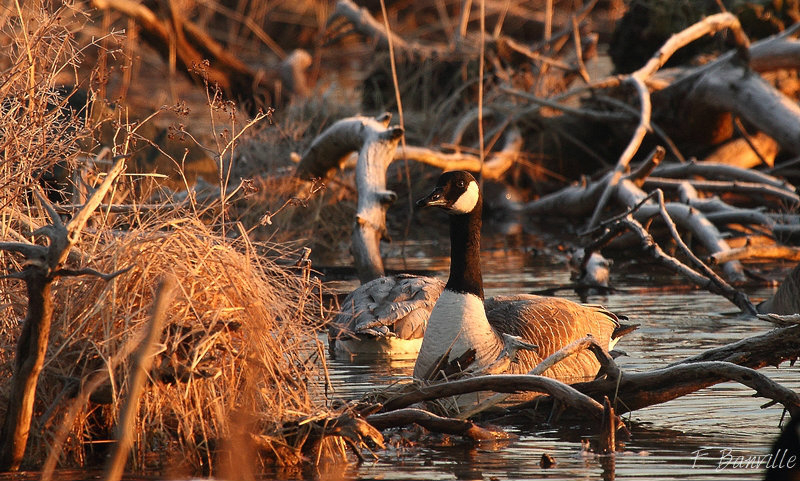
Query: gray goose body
[
  {"x": 384, "y": 317},
  {"x": 786, "y": 299},
  {"x": 461, "y": 321}
]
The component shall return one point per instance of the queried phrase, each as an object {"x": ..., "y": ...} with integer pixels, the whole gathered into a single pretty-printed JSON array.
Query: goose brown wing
[{"x": 552, "y": 323}]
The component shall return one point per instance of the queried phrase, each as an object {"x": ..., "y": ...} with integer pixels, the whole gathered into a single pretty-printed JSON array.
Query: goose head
[{"x": 456, "y": 193}]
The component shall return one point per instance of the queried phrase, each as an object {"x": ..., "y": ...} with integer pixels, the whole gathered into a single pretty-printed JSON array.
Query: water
[{"x": 696, "y": 437}]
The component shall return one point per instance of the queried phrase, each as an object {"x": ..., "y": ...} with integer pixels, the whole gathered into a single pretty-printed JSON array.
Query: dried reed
[
  {"x": 239, "y": 352},
  {"x": 238, "y": 338}
]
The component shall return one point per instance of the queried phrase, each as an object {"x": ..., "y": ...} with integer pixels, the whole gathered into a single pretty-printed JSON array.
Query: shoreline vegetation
[{"x": 159, "y": 303}]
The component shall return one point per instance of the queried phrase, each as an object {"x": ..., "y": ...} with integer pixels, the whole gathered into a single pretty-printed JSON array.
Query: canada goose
[{"x": 461, "y": 321}]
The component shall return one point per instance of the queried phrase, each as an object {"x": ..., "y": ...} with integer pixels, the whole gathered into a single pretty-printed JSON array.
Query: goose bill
[{"x": 435, "y": 198}]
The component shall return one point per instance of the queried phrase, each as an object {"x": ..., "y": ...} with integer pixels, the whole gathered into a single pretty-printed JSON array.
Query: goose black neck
[{"x": 465, "y": 253}]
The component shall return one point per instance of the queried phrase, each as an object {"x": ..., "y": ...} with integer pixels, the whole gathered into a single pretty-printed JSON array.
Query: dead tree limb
[
  {"x": 768, "y": 349},
  {"x": 778, "y": 52},
  {"x": 718, "y": 171},
  {"x": 432, "y": 422},
  {"x": 788, "y": 196},
  {"x": 511, "y": 383},
  {"x": 630, "y": 195},
  {"x": 630, "y": 149},
  {"x": 734, "y": 88},
  {"x": 579, "y": 200},
  {"x": 376, "y": 144},
  {"x": 650, "y": 246},
  {"x": 42, "y": 267},
  {"x": 728, "y": 84},
  {"x": 493, "y": 167},
  {"x": 707, "y": 26},
  {"x": 700, "y": 227},
  {"x": 781, "y": 320},
  {"x": 756, "y": 252},
  {"x": 736, "y": 361},
  {"x": 638, "y": 390}
]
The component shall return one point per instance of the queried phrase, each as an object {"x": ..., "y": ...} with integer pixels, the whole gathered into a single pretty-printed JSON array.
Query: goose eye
[{"x": 460, "y": 183}]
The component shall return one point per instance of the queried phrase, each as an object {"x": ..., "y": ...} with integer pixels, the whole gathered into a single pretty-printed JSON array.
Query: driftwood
[
  {"x": 736, "y": 361},
  {"x": 375, "y": 143},
  {"x": 510, "y": 383},
  {"x": 731, "y": 86},
  {"x": 432, "y": 422},
  {"x": 44, "y": 264},
  {"x": 768, "y": 349},
  {"x": 579, "y": 200},
  {"x": 756, "y": 252},
  {"x": 638, "y": 390},
  {"x": 618, "y": 391},
  {"x": 698, "y": 215},
  {"x": 493, "y": 167},
  {"x": 589, "y": 200},
  {"x": 706, "y": 278}
]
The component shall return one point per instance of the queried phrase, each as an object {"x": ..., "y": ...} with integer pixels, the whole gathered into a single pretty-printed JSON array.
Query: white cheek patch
[{"x": 466, "y": 201}]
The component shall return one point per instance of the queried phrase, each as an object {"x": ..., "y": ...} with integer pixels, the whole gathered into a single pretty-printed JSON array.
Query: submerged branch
[{"x": 432, "y": 422}]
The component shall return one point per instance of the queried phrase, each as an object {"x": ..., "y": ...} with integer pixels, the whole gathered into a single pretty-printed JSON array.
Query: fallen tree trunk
[
  {"x": 734, "y": 88},
  {"x": 768, "y": 349},
  {"x": 638, "y": 390}
]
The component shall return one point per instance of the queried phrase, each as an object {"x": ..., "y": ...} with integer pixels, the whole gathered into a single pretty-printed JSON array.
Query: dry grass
[
  {"x": 239, "y": 340},
  {"x": 239, "y": 353}
]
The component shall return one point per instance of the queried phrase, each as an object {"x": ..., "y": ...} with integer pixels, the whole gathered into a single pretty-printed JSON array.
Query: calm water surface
[{"x": 688, "y": 438}]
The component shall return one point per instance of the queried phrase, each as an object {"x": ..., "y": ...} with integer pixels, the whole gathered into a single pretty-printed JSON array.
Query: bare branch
[
  {"x": 511, "y": 383},
  {"x": 432, "y": 422},
  {"x": 90, "y": 272}
]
